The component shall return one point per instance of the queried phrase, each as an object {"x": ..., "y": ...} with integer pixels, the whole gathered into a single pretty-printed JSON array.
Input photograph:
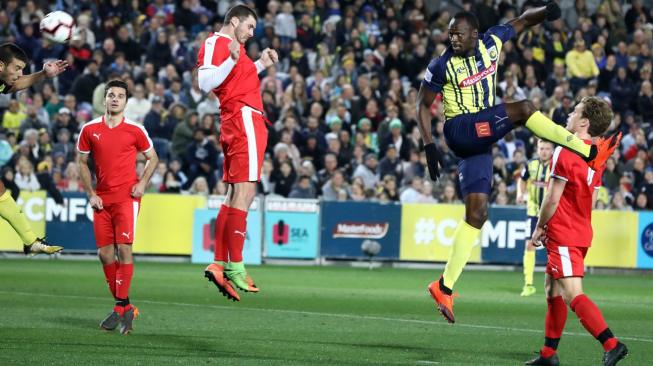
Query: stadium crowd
[{"x": 342, "y": 100}]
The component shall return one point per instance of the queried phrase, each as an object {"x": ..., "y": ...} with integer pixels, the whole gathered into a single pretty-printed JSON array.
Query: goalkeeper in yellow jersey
[
  {"x": 532, "y": 185},
  {"x": 12, "y": 62}
]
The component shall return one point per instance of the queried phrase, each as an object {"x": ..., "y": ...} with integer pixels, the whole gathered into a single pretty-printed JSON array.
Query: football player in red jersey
[
  {"x": 12, "y": 62},
  {"x": 225, "y": 69},
  {"x": 565, "y": 228},
  {"x": 115, "y": 142}
]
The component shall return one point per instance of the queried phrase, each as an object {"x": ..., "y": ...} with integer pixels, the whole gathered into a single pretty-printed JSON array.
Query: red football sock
[
  {"x": 221, "y": 249},
  {"x": 124, "y": 280},
  {"x": 591, "y": 318},
  {"x": 110, "y": 276},
  {"x": 235, "y": 233},
  {"x": 554, "y": 323}
]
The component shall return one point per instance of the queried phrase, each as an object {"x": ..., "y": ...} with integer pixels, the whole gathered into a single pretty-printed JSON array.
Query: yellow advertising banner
[
  {"x": 615, "y": 240},
  {"x": 33, "y": 206},
  {"x": 165, "y": 224},
  {"x": 427, "y": 232}
]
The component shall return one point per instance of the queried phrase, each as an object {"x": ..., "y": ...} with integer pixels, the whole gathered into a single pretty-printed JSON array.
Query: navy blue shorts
[
  {"x": 471, "y": 136},
  {"x": 531, "y": 222}
]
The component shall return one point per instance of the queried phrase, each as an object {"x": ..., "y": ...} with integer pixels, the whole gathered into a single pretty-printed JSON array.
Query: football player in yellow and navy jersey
[
  {"x": 466, "y": 76},
  {"x": 533, "y": 181},
  {"x": 12, "y": 62}
]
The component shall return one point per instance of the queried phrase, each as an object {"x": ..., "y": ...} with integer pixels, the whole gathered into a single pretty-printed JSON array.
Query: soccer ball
[{"x": 57, "y": 26}]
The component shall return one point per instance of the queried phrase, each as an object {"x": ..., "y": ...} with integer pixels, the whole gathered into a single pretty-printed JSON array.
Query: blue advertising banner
[
  {"x": 291, "y": 228},
  {"x": 70, "y": 225},
  {"x": 204, "y": 234},
  {"x": 346, "y": 225},
  {"x": 503, "y": 235},
  {"x": 645, "y": 241}
]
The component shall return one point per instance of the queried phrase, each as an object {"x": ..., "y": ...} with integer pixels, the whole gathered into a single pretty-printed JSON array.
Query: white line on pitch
[{"x": 332, "y": 315}]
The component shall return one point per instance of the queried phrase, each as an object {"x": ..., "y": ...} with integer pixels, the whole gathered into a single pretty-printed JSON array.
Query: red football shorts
[
  {"x": 243, "y": 139},
  {"x": 565, "y": 261},
  {"x": 116, "y": 223}
]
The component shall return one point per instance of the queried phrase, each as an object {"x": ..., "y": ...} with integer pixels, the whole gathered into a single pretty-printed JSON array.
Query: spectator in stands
[
  {"x": 199, "y": 186},
  {"x": 332, "y": 188},
  {"x": 391, "y": 164},
  {"x": 367, "y": 171},
  {"x": 449, "y": 194},
  {"x": 283, "y": 178},
  {"x": 25, "y": 178},
  {"x": 580, "y": 65},
  {"x": 12, "y": 118},
  {"x": 138, "y": 106},
  {"x": 303, "y": 188},
  {"x": 201, "y": 159},
  {"x": 413, "y": 193}
]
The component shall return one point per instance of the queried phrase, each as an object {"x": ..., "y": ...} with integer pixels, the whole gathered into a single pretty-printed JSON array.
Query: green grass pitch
[{"x": 50, "y": 311}]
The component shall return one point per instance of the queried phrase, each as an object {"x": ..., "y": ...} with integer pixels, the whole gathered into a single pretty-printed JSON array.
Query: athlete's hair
[
  {"x": 10, "y": 51},
  {"x": 241, "y": 12},
  {"x": 116, "y": 83},
  {"x": 598, "y": 112},
  {"x": 470, "y": 17}
]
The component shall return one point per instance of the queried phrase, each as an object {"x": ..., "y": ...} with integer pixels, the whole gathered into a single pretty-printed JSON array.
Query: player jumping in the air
[
  {"x": 565, "y": 228},
  {"x": 465, "y": 74},
  {"x": 115, "y": 142},
  {"x": 533, "y": 181},
  {"x": 12, "y": 62},
  {"x": 225, "y": 69}
]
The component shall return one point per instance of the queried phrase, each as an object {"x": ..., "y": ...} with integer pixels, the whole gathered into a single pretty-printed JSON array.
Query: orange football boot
[
  {"x": 215, "y": 273},
  {"x": 443, "y": 301}
]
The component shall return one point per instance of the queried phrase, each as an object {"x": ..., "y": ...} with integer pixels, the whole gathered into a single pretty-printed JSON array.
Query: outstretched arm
[
  {"x": 533, "y": 16},
  {"x": 50, "y": 70}
]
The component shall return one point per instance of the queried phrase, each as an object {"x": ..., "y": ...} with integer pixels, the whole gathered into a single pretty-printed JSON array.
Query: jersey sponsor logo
[
  {"x": 97, "y": 136},
  {"x": 483, "y": 129},
  {"x": 461, "y": 70},
  {"x": 493, "y": 53},
  {"x": 478, "y": 76}
]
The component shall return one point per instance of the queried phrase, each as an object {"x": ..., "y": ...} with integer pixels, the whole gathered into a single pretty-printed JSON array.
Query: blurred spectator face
[
  {"x": 70, "y": 102},
  {"x": 641, "y": 201},
  {"x": 417, "y": 183},
  {"x": 345, "y": 137},
  {"x": 304, "y": 182},
  {"x": 371, "y": 162},
  {"x": 334, "y": 145},
  {"x": 115, "y": 100},
  {"x": 427, "y": 188},
  {"x": 646, "y": 88},
  {"x": 391, "y": 153},
  {"x": 337, "y": 179},
  {"x": 449, "y": 193},
  {"x": 330, "y": 162},
  {"x": 544, "y": 150},
  {"x": 175, "y": 87},
  {"x": 175, "y": 165},
  {"x": 109, "y": 46}
]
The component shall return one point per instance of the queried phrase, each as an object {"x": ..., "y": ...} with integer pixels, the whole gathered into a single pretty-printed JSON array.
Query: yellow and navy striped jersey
[
  {"x": 536, "y": 175},
  {"x": 468, "y": 84}
]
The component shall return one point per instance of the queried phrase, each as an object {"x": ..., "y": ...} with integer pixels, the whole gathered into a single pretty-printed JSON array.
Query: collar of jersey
[
  {"x": 104, "y": 122},
  {"x": 222, "y": 35}
]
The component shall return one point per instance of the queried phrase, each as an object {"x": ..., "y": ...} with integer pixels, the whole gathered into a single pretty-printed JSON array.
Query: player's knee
[{"x": 477, "y": 218}]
